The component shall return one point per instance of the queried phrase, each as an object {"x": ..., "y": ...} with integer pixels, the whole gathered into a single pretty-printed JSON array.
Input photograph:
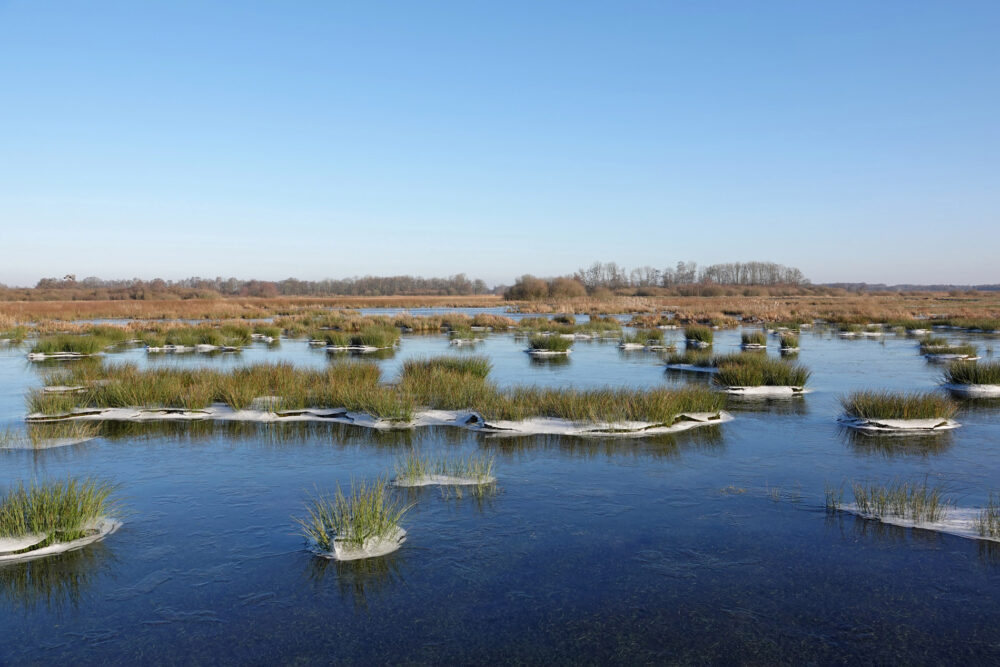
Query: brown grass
[{"x": 860, "y": 308}]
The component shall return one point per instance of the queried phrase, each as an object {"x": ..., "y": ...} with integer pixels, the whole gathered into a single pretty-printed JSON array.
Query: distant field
[{"x": 882, "y": 307}]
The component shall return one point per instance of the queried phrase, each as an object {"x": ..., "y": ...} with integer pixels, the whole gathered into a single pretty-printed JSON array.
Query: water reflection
[
  {"x": 359, "y": 580},
  {"x": 892, "y": 446},
  {"x": 663, "y": 446},
  {"x": 56, "y": 581}
]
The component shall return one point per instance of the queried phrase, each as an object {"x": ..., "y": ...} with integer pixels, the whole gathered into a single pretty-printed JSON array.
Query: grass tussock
[
  {"x": 898, "y": 405},
  {"x": 646, "y": 337},
  {"x": 971, "y": 372},
  {"x": 918, "y": 502},
  {"x": 79, "y": 344},
  {"x": 988, "y": 521},
  {"x": 703, "y": 358},
  {"x": 415, "y": 468},
  {"x": 61, "y": 510},
  {"x": 700, "y": 333},
  {"x": 367, "y": 512},
  {"x": 550, "y": 343},
  {"x": 788, "y": 341},
  {"x": 759, "y": 371},
  {"x": 466, "y": 333},
  {"x": 753, "y": 338}
]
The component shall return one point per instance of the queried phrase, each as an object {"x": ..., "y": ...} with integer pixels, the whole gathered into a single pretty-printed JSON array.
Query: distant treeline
[
  {"x": 683, "y": 279},
  {"x": 92, "y": 288}
]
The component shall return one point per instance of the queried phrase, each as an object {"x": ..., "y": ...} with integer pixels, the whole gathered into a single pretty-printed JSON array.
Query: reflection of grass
[
  {"x": 968, "y": 372},
  {"x": 897, "y": 405},
  {"x": 54, "y": 581},
  {"x": 368, "y": 512},
  {"x": 60, "y": 510}
]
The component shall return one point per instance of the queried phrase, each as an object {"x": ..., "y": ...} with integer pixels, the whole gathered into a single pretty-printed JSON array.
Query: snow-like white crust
[
  {"x": 373, "y": 547},
  {"x": 363, "y": 349},
  {"x": 690, "y": 342},
  {"x": 461, "y": 419},
  {"x": 766, "y": 391},
  {"x": 548, "y": 353},
  {"x": 974, "y": 390},
  {"x": 959, "y": 521},
  {"x": 901, "y": 426},
  {"x": 443, "y": 480},
  {"x": 102, "y": 527},
  {"x": 66, "y": 356}
]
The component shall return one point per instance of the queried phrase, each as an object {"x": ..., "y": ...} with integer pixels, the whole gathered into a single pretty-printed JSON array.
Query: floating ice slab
[
  {"x": 461, "y": 419},
  {"x": 974, "y": 390},
  {"x": 690, "y": 342},
  {"x": 766, "y": 391},
  {"x": 900, "y": 426},
  {"x": 466, "y": 341},
  {"x": 753, "y": 346},
  {"x": 41, "y": 356},
  {"x": 101, "y": 527},
  {"x": 548, "y": 353},
  {"x": 946, "y": 358},
  {"x": 444, "y": 480},
  {"x": 371, "y": 548},
  {"x": 363, "y": 349},
  {"x": 959, "y": 521}
]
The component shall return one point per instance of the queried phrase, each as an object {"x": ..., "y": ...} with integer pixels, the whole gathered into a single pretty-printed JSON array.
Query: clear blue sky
[{"x": 855, "y": 140}]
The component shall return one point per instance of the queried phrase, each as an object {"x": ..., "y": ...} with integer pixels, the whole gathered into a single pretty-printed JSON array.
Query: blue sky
[{"x": 855, "y": 140}]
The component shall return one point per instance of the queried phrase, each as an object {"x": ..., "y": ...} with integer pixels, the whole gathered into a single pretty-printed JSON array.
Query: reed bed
[
  {"x": 78, "y": 344},
  {"x": 970, "y": 372},
  {"x": 700, "y": 333},
  {"x": 898, "y": 405},
  {"x": 964, "y": 349},
  {"x": 987, "y": 523},
  {"x": 447, "y": 383},
  {"x": 414, "y": 468},
  {"x": 917, "y": 502},
  {"x": 61, "y": 510},
  {"x": 367, "y": 512},
  {"x": 759, "y": 371},
  {"x": 647, "y": 337},
  {"x": 550, "y": 343}
]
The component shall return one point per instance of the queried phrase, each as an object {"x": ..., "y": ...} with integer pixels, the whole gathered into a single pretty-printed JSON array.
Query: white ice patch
[
  {"x": 444, "y": 480},
  {"x": 41, "y": 356},
  {"x": 373, "y": 547},
  {"x": 957, "y": 521},
  {"x": 363, "y": 349},
  {"x": 900, "y": 426},
  {"x": 102, "y": 527},
  {"x": 460, "y": 419},
  {"x": 766, "y": 391},
  {"x": 974, "y": 390},
  {"x": 547, "y": 353},
  {"x": 690, "y": 342},
  {"x": 945, "y": 358}
]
